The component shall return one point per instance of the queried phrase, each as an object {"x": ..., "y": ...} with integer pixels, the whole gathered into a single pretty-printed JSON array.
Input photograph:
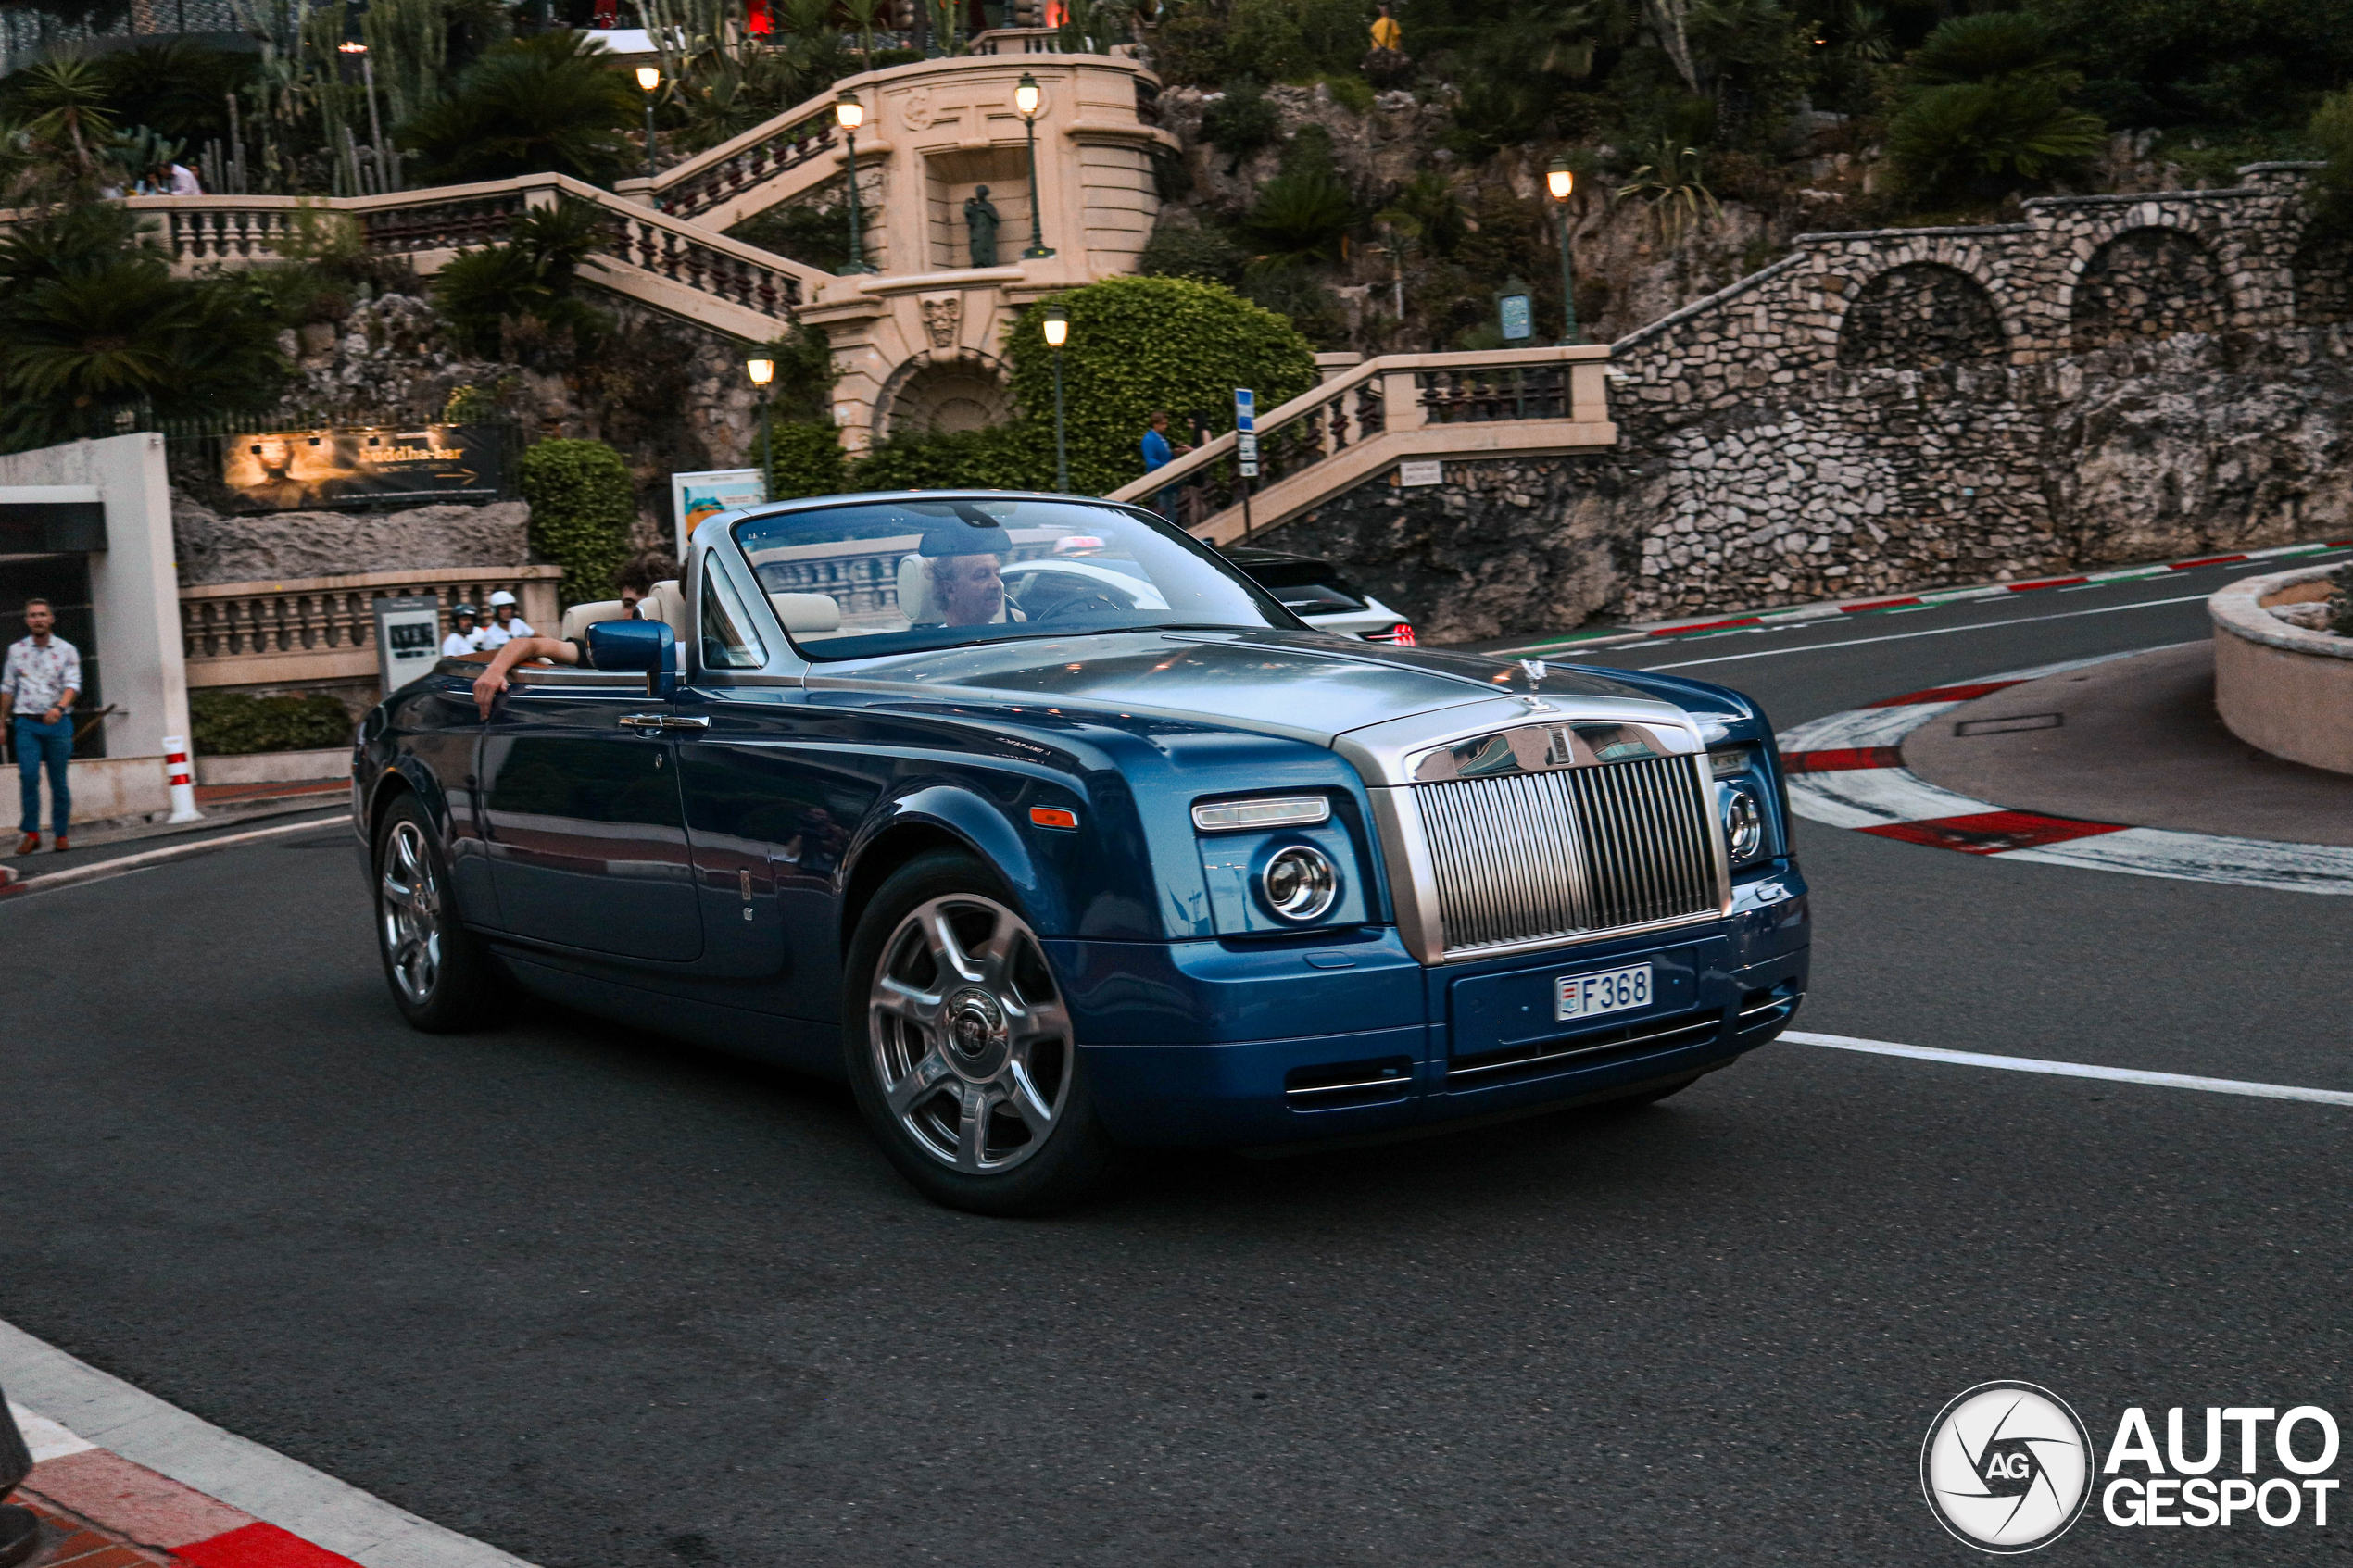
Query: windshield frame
[{"x": 1279, "y": 616}]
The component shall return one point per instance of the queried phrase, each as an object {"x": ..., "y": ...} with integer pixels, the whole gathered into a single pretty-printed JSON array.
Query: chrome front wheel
[
  {"x": 972, "y": 1046},
  {"x": 409, "y": 908}
]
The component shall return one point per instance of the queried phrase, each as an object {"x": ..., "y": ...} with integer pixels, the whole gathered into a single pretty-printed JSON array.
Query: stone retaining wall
[{"x": 2111, "y": 378}]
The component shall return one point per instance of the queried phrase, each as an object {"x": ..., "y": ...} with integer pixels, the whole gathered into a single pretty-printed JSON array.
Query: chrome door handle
[
  {"x": 644, "y": 721},
  {"x": 676, "y": 722}
]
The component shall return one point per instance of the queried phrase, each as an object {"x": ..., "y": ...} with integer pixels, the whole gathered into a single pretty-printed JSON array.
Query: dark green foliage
[
  {"x": 805, "y": 459},
  {"x": 1428, "y": 212},
  {"x": 528, "y": 105},
  {"x": 1204, "y": 252},
  {"x": 239, "y": 723},
  {"x": 817, "y": 236},
  {"x": 1292, "y": 39},
  {"x": 531, "y": 277},
  {"x": 2341, "y": 601},
  {"x": 2225, "y": 67},
  {"x": 1138, "y": 345},
  {"x": 1019, "y": 456},
  {"x": 803, "y": 389},
  {"x": 2332, "y": 135},
  {"x": 94, "y": 326},
  {"x": 1298, "y": 218},
  {"x": 1297, "y": 293},
  {"x": 1985, "y": 109},
  {"x": 582, "y": 508},
  {"x": 178, "y": 88},
  {"x": 1241, "y": 123}
]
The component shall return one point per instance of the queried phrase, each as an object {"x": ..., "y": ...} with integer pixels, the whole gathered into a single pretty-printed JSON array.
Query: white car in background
[{"x": 1315, "y": 592}]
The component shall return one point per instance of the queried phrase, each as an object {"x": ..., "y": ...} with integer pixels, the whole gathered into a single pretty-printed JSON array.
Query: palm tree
[
  {"x": 549, "y": 103},
  {"x": 68, "y": 100}
]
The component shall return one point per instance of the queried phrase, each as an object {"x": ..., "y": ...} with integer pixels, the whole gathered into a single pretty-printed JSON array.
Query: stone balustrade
[{"x": 323, "y": 628}]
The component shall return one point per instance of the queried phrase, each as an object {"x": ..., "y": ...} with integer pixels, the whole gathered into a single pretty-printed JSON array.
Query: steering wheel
[{"x": 1086, "y": 601}]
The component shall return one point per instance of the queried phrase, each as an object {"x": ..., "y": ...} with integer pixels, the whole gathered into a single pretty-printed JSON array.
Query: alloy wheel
[
  {"x": 408, "y": 904},
  {"x": 971, "y": 1043}
]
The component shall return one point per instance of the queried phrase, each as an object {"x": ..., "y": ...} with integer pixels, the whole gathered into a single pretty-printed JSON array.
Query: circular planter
[{"x": 2278, "y": 687}]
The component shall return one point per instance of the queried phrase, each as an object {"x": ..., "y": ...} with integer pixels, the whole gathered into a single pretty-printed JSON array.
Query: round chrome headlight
[
  {"x": 1743, "y": 824},
  {"x": 1299, "y": 882}
]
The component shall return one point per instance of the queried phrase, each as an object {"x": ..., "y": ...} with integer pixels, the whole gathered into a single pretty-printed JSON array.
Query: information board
[
  {"x": 694, "y": 496},
  {"x": 340, "y": 466},
  {"x": 407, "y": 638}
]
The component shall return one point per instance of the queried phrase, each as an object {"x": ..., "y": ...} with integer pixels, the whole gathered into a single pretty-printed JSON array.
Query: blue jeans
[{"x": 38, "y": 742}]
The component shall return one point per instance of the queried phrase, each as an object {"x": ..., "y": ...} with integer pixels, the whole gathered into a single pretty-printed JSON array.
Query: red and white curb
[
  {"x": 1847, "y": 770},
  {"x": 184, "y": 1489},
  {"x": 1837, "y": 609}
]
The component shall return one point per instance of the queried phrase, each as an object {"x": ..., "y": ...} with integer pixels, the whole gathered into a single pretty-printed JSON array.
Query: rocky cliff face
[{"x": 275, "y": 546}]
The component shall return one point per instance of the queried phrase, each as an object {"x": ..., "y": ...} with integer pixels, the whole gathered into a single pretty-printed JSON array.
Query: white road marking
[
  {"x": 1860, "y": 727},
  {"x": 1870, "y": 797},
  {"x": 2203, "y": 857},
  {"x": 2073, "y": 1069},
  {"x": 1932, "y": 632},
  {"x": 45, "y": 1437},
  {"x": 98, "y": 871}
]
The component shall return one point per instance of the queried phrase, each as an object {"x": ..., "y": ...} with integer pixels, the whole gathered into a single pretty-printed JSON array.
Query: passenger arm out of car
[{"x": 491, "y": 682}]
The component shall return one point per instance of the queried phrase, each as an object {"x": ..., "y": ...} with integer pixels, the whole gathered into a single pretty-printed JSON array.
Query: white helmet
[{"x": 501, "y": 597}]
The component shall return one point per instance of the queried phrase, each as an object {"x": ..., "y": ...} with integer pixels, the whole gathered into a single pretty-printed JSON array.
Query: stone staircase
[{"x": 1368, "y": 421}]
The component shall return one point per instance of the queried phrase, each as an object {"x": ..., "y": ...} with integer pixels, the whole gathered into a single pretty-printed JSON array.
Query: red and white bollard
[{"x": 184, "y": 784}]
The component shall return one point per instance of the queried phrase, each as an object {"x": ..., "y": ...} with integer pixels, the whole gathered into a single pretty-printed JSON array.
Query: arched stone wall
[
  {"x": 944, "y": 393},
  {"x": 2149, "y": 282},
  {"x": 1919, "y": 316},
  {"x": 2323, "y": 274}
]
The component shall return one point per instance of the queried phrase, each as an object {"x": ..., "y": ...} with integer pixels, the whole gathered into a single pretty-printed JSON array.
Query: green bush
[
  {"x": 2332, "y": 132},
  {"x": 553, "y": 102},
  {"x": 1019, "y": 456},
  {"x": 1241, "y": 123},
  {"x": 1138, "y": 345},
  {"x": 1985, "y": 109},
  {"x": 238, "y": 723},
  {"x": 1206, "y": 253},
  {"x": 805, "y": 459},
  {"x": 582, "y": 508}
]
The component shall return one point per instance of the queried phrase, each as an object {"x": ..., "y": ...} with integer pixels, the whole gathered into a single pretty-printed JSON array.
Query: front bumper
[{"x": 1257, "y": 1044}]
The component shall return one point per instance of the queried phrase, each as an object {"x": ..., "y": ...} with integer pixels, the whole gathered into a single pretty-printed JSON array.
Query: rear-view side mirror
[{"x": 637, "y": 645}]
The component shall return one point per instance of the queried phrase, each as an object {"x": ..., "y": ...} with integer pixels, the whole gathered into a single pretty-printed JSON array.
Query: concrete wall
[{"x": 134, "y": 596}]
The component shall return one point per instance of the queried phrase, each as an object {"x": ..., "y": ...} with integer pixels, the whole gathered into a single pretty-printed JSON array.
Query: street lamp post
[
  {"x": 649, "y": 78},
  {"x": 1058, "y": 333},
  {"x": 849, "y": 114},
  {"x": 1560, "y": 180},
  {"x": 1027, "y": 96},
  {"x": 762, "y": 371}
]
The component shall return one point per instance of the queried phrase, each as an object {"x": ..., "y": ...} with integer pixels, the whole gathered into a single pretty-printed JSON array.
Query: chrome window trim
[{"x": 714, "y": 547}]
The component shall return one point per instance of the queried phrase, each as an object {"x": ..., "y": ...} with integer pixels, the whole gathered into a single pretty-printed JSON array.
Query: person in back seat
[{"x": 641, "y": 571}]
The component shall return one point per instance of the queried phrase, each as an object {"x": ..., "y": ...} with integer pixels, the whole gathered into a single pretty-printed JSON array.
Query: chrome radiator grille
[{"x": 1530, "y": 856}]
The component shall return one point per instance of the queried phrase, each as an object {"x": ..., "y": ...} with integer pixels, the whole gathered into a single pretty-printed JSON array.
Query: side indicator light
[{"x": 1052, "y": 817}]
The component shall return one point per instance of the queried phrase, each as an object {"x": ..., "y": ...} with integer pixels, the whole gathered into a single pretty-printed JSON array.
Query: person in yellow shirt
[{"x": 1387, "y": 34}]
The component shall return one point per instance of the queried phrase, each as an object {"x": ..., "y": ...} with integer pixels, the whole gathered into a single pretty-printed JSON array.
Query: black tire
[
  {"x": 959, "y": 1049},
  {"x": 441, "y": 977}
]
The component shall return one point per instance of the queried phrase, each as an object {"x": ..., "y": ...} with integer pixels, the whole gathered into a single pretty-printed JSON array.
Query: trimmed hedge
[
  {"x": 238, "y": 723},
  {"x": 582, "y": 508},
  {"x": 1138, "y": 345},
  {"x": 805, "y": 459}
]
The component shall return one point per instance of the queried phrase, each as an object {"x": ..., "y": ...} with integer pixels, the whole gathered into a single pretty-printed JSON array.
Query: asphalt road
[{"x": 603, "y": 1299}]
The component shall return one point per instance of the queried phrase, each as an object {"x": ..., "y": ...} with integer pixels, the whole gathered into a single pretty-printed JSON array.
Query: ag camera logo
[{"x": 2007, "y": 1467}]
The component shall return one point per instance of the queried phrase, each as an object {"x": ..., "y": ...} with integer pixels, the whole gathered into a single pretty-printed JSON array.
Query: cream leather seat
[
  {"x": 812, "y": 613},
  {"x": 579, "y": 618}
]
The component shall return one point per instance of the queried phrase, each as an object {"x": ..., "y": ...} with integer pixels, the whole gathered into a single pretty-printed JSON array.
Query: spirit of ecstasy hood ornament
[{"x": 1534, "y": 667}]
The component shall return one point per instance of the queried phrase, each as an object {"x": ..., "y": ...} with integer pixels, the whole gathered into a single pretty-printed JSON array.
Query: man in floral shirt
[{"x": 38, "y": 684}]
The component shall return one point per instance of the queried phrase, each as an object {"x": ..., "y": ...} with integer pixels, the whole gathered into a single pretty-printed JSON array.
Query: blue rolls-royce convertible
[{"x": 1051, "y": 832}]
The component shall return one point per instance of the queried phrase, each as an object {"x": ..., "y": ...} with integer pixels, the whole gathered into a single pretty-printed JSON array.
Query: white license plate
[{"x": 1583, "y": 996}]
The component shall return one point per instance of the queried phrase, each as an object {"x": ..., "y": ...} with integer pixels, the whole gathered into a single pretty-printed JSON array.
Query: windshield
[{"x": 904, "y": 576}]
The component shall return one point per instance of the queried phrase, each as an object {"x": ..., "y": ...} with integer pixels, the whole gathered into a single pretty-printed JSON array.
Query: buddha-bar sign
[{"x": 344, "y": 467}]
